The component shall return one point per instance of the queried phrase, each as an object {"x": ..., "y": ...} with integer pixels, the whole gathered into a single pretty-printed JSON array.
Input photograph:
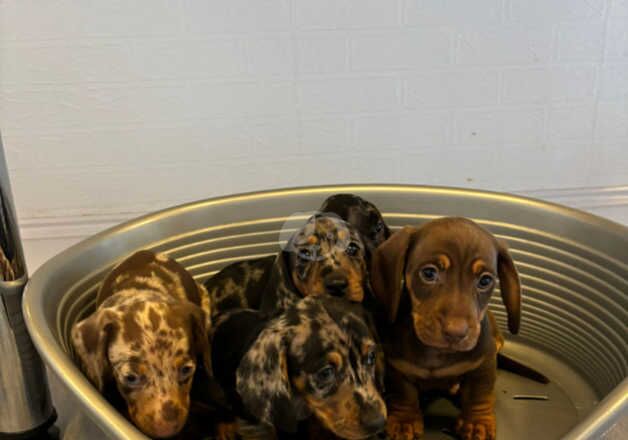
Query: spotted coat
[
  {"x": 319, "y": 358},
  {"x": 246, "y": 284},
  {"x": 145, "y": 340}
]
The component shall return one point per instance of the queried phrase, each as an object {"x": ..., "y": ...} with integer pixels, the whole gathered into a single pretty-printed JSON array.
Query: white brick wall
[
  {"x": 121, "y": 107},
  {"x": 345, "y": 14},
  {"x": 454, "y": 89}
]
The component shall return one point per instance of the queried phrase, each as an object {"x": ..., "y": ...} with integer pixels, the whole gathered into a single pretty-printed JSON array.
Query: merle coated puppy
[
  {"x": 325, "y": 256},
  {"x": 146, "y": 340},
  {"x": 329, "y": 255},
  {"x": 317, "y": 360}
]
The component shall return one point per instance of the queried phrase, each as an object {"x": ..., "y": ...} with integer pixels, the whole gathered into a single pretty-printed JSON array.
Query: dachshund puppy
[
  {"x": 363, "y": 215},
  {"x": 318, "y": 359},
  {"x": 145, "y": 340},
  {"x": 434, "y": 284},
  {"x": 240, "y": 284},
  {"x": 326, "y": 256}
]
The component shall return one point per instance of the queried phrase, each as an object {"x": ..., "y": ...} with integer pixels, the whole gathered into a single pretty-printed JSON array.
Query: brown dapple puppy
[
  {"x": 434, "y": 284},
  {"x": 145, "y": 340}
]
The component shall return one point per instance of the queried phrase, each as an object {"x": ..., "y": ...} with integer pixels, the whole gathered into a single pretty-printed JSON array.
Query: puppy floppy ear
[
  {"x": 90, "y": 339},
  {"x": 380, "y": 359},
  {"x": 510, "y": 286},
  {"x": 263, "y": 383},
  {"x": 387, "y": 270},
  {"x": 199, "y": 334},
  {"x": 380, "y": 370}
]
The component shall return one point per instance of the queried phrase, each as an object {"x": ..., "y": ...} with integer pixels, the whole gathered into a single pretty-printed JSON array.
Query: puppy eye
[
  {"x": 485, "y": 281},
  {"x": 352, "y": 249},
  {"x": 185, "y": 372},
  {"x": 429, "y": 273},
  {"x": 304, "y": 254},
  {"x": 370, "y": 359},
  {"x": 132, "y": 380},
  {"x": 326, "y": 375}
]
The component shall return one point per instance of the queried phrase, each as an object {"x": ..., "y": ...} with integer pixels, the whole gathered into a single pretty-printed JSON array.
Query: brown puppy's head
[
  {"x": 448, "y": 268},
  {"x": 363, "y": 215},
  {"x": 327, "y": 256},
  {"x": 319, "y": 358},
  {"x": 149, "y": 344}
]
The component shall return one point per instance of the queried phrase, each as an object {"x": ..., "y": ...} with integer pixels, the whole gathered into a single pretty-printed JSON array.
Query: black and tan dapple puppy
[
  {"x": 319, "y": 359},
  {"x": 325, "y": 256},
  {"x": 242, "y": 284}
]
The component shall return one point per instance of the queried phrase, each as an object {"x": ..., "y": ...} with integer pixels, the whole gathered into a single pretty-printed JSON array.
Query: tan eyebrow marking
[
  {"x": 336, "y": 359},
  {"x": 478, "y": 266},
  {"x": 342, "y": 234},
  {"x": 443, "y": 262}
]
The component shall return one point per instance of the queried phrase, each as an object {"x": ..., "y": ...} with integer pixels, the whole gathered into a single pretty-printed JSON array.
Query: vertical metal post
[{"x": 25, "y": 407}]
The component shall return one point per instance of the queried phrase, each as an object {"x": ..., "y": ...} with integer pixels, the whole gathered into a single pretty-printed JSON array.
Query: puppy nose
[
  {"x": 373, "y": 420},
  {"x": 336, "y": 285},
  {"x": 455, "y": 329},
  {"x": 163, "y": 429}
]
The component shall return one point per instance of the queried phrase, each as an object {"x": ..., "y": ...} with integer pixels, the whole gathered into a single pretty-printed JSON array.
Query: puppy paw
[
  {"x": 226, "y": 430},
  {"x": 476, "y": 427},
  {"x": 404, "y": 425}
]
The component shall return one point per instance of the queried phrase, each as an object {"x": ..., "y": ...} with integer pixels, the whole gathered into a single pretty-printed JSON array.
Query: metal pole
[{"x": 26, "y": 410}]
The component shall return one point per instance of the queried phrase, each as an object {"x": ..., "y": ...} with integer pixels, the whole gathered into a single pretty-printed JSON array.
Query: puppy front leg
[
  {"x": 405, "y": 420},
  {"x": 477, "y": 420}
]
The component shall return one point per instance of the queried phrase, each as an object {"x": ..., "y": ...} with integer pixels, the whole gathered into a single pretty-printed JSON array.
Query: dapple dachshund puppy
[
  {"x": 318, "y": 359},
  {"x": 434, "y": 284},
  {"x": 146, "y": 339},
  {"x": 326, "y": 256},
  {"x": 240, "y": 284}
]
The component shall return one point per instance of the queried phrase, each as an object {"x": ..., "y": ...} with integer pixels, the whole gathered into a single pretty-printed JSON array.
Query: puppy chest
[{"x": 426, "y": 369}]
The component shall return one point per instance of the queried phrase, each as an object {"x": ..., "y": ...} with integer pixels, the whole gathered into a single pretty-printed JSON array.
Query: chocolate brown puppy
[{"x": 433, "y": 284}]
